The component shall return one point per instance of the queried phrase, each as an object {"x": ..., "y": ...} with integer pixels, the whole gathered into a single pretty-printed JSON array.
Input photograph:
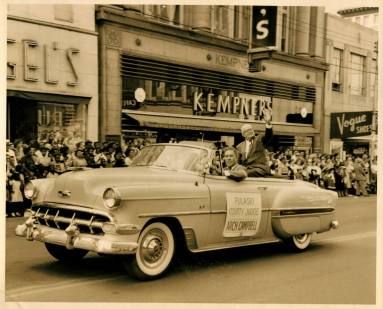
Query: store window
[
  {"x": 43, "y": 121},
  {"x": 337, "y": 63},
  {"x": 60, "y": 121},
  {"x": 165, "y": 97},
  {"x": 357, "y": 70}
]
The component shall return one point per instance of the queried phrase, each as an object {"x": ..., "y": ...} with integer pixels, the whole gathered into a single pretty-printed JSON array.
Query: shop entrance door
[{"x": 22, "y": 119}]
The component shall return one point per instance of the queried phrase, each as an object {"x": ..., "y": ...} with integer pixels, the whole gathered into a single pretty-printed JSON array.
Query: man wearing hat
[{"x": 252, "y": 151}]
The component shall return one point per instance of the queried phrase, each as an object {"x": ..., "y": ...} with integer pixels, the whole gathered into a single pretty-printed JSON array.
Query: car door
[{"x": 239, "y": 210}]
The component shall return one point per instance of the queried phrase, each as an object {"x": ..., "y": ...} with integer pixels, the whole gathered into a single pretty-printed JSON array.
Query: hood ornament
[{"x": 65, "y": 193}]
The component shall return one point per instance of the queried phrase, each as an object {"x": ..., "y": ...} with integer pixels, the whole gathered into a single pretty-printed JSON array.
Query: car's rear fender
[{"x": 302, "y": 210}]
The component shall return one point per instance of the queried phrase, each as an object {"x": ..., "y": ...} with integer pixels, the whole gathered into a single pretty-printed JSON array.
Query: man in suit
[
  {"x": 232, "y": 169},
  {"x": 253, "y": 149}
]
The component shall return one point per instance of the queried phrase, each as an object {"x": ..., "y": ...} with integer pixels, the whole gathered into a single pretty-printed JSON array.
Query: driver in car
[{"x": 232, "y": 169}]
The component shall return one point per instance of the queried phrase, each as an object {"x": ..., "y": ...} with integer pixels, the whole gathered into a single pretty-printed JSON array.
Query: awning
[
  {"x": 360, "y": 139},
  {"x": 186, "y": 122},
  {"x": 208, "y": 123},
  {"x": 47, "y": 97}
]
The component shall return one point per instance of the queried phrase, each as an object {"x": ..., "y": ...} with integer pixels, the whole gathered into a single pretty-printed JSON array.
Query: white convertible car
[{"x": 165, "y": 199}]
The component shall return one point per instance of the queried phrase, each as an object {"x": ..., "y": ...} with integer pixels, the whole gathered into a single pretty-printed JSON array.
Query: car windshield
[{"x": 172, "y": 157}]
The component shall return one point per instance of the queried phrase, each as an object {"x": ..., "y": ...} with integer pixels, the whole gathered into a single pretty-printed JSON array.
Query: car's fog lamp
[
  {"x": 111, "y": 198},
  {"x": 30, "y": 190},
  {"x": 109, "y": 228}
]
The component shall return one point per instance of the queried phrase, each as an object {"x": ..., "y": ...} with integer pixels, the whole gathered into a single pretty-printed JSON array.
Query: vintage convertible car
[{"x": 165, "y": 200}]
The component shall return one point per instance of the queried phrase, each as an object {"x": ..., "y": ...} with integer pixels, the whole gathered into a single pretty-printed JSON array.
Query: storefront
[
  {"x": 52, "y": 82},
  {"x": 180, "y": 89},
  {"x": 351, "y": 133},
  {"x": 182, "y": 102}
]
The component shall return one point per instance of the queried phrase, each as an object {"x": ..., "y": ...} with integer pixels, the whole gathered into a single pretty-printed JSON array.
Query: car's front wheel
[
  {"x": 63, "y": 254},
  {"x": 156, "y": 248},
  {"x": 299, "y": 242}
]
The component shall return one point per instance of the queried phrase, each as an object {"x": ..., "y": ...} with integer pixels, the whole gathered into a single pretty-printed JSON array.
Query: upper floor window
[
  {"x": 376, "y": 18},
  {"x": 221, "y": 20},
  {"x": 366, "y": 20},
  {"x": 63, "y": 12},
  {"x": 357, "y": 70},
  {"x": 170, "y": 14},
  {"x": 373, "y": 78},
  {"x": 337, "y": 63},
  {"x": 241, "y": 23}
]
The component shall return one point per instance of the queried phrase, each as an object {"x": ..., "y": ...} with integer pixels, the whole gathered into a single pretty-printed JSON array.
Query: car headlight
[
  {"x": 111, "y": 198},
  {"x": 30, "y": 190}
]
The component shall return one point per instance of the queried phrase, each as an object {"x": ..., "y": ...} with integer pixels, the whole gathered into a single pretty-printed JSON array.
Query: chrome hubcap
[
  {"x": 301, "y": 238},
  {"x": 154, "y": 248}
]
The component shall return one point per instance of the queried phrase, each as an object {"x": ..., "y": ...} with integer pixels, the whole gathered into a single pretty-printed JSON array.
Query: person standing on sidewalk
[{"x": 360, "y": 177}]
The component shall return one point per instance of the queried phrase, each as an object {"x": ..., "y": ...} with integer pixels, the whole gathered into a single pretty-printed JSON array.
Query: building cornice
[
  {"x": 51, "y": 24},
  {"x": 356, "y": 11},
  {"x": 131, "y": 19}
]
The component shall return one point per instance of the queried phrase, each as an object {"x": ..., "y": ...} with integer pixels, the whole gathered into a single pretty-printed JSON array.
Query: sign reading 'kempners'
[
  {"x": 245, "y": 105},
  {"x": 243, "y": 215},
  {"x": 353, "y": 124}
]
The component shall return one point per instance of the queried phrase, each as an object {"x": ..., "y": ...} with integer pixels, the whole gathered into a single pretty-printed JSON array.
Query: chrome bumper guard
[{"x": 71, "y": 238}]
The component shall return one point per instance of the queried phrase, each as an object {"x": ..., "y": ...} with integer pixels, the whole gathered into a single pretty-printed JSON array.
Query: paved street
[{"x": 338, "y": 268}]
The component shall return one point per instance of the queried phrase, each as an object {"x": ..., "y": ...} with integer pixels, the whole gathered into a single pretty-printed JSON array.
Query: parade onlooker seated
[{"x": 232, "y": 169}]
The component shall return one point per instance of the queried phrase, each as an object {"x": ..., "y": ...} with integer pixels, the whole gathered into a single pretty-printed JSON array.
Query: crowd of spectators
[
  {"x": 353, "y": 176},
  {"x": 25, "y": 161}
]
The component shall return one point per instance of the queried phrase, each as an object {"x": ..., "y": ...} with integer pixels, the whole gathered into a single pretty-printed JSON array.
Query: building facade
[
  {"x": 364, "y": 16},
  {"x": 52, "y": 72},
  {"x": 351, "y": 96},
  {"x": 183, "y": 72}
]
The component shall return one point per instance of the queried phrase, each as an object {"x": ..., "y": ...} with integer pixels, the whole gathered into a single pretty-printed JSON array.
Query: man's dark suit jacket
[{"x": 256, "y": 162}]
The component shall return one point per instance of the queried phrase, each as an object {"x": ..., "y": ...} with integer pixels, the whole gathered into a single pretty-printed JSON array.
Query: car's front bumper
[{"x": 71, "y": 238}]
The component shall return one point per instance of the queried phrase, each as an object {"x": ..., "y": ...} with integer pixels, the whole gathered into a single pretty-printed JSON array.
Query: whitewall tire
[
  {"x": 300, "y": 242},
  {"x": 156, "y": 248}
]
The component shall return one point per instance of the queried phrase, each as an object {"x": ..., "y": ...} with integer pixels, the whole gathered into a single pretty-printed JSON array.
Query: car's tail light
[{"x": 111, "y": 198}]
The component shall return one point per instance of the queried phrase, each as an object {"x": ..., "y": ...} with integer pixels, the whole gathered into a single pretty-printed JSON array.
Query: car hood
[{"x": 86, "y": 187}]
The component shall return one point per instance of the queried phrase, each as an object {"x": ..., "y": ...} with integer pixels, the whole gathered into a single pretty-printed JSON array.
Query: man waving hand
[{"x": 253, "y": 149}]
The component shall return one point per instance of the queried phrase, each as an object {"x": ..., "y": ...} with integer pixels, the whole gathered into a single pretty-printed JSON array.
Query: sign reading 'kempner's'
[
  {"x": 243, "y": 214},
  {"x": 352, "y": 124},
  {"x": 243, "y": 104}
]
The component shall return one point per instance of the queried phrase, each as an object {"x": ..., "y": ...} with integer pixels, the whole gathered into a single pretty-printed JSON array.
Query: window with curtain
[
  {"x": 357, "y": 69},
  {"x": 337, "y": 64}
]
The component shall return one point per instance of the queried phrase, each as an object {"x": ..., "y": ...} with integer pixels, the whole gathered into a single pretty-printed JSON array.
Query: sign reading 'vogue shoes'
[{"x": 352, "y": 124}]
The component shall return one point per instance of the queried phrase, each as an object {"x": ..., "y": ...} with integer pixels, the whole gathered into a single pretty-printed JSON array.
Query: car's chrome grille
[{"x": 61, "y": 218}]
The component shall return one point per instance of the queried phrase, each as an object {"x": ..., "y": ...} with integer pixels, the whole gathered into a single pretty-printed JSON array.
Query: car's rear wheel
[
  {"x": 63, "y": 254},
  {"x": 156, "y": 248},
  {"x": 300, "y": 242}
]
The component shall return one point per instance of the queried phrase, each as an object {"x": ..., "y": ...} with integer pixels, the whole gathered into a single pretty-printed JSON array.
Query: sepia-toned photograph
[{"x": 192, "y": 154}]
